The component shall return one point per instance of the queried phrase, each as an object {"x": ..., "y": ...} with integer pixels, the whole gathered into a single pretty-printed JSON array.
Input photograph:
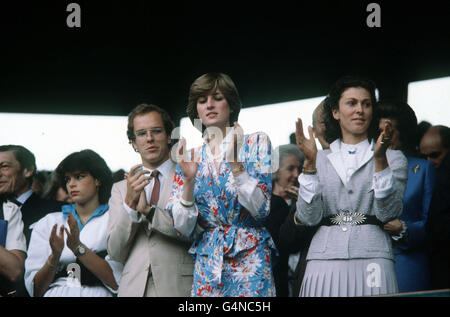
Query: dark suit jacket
[
  {"x": 33, "y": 210},
  {"x": 295, "y": 238},
  {"x": 438, "y": 228},
  {"x": 279, "y": 211}
]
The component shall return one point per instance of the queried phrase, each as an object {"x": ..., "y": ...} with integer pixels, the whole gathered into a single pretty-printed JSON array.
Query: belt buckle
[{"x": 345, "y": 218}]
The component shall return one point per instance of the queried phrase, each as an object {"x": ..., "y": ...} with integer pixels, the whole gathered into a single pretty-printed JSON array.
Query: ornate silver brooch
[{"x": 346, "y": 217}]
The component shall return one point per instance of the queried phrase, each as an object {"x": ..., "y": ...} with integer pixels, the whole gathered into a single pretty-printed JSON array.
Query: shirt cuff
[
  {"x": 402, "y": 234},
  {"x": 250, "y": 195},
  {"x": 309, "y": 186},
  {"x": 136, "y": 217},
  {"x": 383, "y": 183},
  {"x": 184, "y": 218}
]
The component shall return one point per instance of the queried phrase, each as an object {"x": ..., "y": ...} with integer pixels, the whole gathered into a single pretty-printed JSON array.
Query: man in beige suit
[{"x": 140, "y": 232}]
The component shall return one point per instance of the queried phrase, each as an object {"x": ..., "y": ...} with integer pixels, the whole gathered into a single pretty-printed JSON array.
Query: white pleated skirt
[{"x": 349, "y": 278}]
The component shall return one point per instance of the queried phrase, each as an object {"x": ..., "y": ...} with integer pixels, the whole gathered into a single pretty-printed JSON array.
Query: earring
[{"x": 136, "y": 150}]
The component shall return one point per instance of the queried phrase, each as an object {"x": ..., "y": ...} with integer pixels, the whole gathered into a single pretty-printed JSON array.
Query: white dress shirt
[{"x": 15, "y": 239}]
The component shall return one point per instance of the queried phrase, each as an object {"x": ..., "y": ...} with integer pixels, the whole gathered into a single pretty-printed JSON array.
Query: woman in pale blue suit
[{"x": 408, "y": 231}]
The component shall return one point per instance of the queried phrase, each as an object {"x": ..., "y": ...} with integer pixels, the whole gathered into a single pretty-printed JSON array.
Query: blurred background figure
[
  {"x": 39, "y": 181},
  {"x": 319, "y": 125},
  {"x": 53, "y": 190},
  {"x": 435, "y": 145},
  {"x": 284, "y": 195},
  {"x": 292, "y": 138},
  {"x": 118, "y": 176},
  {"x": 422, "y": 128},
  {"x": 408, "y": 231}
]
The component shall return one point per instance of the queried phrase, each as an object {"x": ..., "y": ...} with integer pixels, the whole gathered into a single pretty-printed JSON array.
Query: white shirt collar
[
  {"x": 338, "y": 146},
  {"x": 23, "y": 198},
  {"x": 163, "y": 169}
]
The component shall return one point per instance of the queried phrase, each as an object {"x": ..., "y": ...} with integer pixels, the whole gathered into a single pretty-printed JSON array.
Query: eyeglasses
[
  {"x": 433, "y": 155},
  {"x": 142, "y": 134}
]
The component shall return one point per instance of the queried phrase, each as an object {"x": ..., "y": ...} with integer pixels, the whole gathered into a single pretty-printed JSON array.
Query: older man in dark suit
[{"x": 17, "y": 170}]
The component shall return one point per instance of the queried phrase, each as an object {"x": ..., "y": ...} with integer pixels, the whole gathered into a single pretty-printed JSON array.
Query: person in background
[
  {"x": 292, "y": 138},
  {"x": 284, "y": 195},
  {"x": 67, "y": 253},
  {"x": 349, "y": 191},
  {"x": 422, "y": 128},
  {"x": 435, "y": 145},
  {"x": 118, "y": 175},
  {"x": 53, "y": 190},
  {"x": 319, "y": 125},
  {"x": 39, "y": 181},
  {"x": 408, "y": 231},
  {"x": 225, "y": 186}
]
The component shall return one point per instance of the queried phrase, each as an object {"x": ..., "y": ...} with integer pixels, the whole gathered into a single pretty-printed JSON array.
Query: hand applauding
[
  {"x": 307, "y": 146},
  {"x": 187, "y": 165}
]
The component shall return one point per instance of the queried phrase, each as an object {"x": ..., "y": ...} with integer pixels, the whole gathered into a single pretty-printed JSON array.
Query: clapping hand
[
  {"x": 73, "y": 236},
  {"x": 383, "y": 140},
  {"x": 57, "y": 241},
  {"x": 307, "y": 146},
  {"x": 136, "y": 182},
  {"x": 187, "y": 165},
  {"x": 292, "y": 191}
]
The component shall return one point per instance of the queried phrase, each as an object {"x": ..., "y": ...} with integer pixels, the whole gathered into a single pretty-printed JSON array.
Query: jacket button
[{"x": 350, "y": 191}]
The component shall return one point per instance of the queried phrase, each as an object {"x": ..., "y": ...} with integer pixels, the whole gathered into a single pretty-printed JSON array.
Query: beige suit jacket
[{"x": 156, "y": 261}]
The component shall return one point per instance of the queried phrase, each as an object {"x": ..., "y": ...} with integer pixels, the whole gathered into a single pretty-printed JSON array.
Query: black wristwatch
[{"x": 151, "y": 213}]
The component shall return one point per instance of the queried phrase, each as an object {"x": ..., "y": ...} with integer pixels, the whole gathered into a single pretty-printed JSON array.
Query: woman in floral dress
[{"x": 221, "y": 196}]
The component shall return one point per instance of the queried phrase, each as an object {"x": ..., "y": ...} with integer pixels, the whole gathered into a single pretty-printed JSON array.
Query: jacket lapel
[{"x": 335, "y": 159}]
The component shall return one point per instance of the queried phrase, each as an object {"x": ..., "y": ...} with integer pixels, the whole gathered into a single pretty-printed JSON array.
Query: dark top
[
  {"x": 293, "y": 239},
  {"x": 438, "y": 228},
  {"x": 33, "y": 210},
  {"x": 279, "y": 210}
]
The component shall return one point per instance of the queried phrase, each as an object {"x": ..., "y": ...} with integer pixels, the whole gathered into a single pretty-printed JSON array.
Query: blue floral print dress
[{"x": 233, "y": 255}]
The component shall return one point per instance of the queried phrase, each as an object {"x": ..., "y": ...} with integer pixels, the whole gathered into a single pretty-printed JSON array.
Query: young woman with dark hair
[{"x": 67, "y": 252}]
